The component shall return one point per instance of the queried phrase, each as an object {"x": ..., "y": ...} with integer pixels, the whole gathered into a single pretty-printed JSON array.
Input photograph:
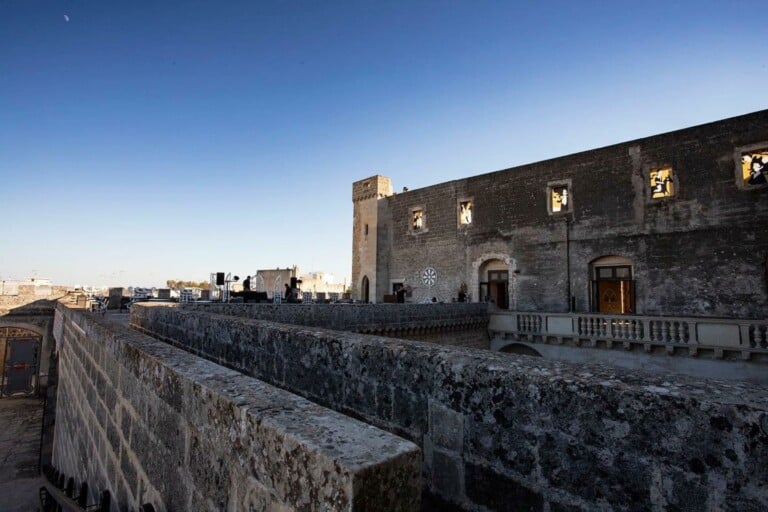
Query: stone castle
[
  {"x": 654, "y": 248},
  {"x": 673, "y": 224}
]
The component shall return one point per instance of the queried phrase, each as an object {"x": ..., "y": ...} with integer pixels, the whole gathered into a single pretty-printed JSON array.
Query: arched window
[{"x": 613, "y": 285}]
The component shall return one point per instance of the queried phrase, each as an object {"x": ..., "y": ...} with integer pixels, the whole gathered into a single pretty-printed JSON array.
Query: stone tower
[{"x": 365, "y": 196}]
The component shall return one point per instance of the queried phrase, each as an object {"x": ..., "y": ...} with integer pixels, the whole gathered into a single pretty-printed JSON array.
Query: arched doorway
[
  {"x": 20, "y": 353},
  {"x": 519, "y": 348},
  {"x": 365, "y": 290},
  {"x": 613, "y": 285},
  {"x": 493, "y": 278}
]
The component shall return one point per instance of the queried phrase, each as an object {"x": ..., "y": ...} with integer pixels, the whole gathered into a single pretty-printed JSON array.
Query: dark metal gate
[{"x": 20, "y": 351}]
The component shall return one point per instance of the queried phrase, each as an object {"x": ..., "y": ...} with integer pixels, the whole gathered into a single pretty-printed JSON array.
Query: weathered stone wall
[
  {"x": 476, "y": 337},
  {"x": 352, "y": 317},
  {"x": 511, "y": 432},
  {"x": 702, "y": 252},
  {"x": 30, "y": 300},
  {"x": 155, "y": 424},
  {"x": 449, "y": 324},
  {"x": 31, "y": 307},
  {"x": 30, "y": 297}
]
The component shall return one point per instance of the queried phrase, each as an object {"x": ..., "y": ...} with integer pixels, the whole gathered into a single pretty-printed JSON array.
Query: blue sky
[{"x": 145, "y": 141}]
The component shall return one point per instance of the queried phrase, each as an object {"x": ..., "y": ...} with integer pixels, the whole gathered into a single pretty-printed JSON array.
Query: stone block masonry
[
  {"x": 155, "y": 424},
  {"x": 461, "y": 324},
  {"x": 700, "y": 252},
  {"x": 502, "y": 432}
]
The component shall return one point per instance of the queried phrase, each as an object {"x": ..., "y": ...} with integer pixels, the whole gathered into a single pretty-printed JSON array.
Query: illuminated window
[
  {"x": 417, "y": 220},
  {"x": 465, "y": 213},
  {"x": 754, "y": 167},
  {"x": 559, "y": 199},
  {"x": 661, "y": 183}
]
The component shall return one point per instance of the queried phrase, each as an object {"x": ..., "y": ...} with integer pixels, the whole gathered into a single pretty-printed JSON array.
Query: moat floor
[{"x": 20, "y": 425}]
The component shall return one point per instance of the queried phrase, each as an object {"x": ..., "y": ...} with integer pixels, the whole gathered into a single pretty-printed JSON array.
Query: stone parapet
[
  {"x": 505, "y": 432},
  {"x": 155, "y": 424},
  {"x": 386, "y": 319}
]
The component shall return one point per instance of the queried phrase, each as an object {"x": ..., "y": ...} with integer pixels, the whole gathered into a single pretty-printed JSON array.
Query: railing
[
  {"x": 750, "y": 335},
  {"x": 58, "y": 493}
]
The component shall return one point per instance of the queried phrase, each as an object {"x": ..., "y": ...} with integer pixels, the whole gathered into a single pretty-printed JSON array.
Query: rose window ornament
[{"x": 429, "y": 276}]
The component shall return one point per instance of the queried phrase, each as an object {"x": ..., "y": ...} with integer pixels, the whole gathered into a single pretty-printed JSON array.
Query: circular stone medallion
[{"x": 429, "y": 276}]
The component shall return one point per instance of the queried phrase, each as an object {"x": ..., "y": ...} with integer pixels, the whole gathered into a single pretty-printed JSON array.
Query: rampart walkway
[{"x": 20, "y": 424}]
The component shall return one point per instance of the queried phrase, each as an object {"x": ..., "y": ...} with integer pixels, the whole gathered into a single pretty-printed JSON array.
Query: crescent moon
[{"x": 66, "y": 18}]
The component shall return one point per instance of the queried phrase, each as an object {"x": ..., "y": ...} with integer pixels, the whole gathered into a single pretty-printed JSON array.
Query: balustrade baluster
[{"x": 665, "y": 331}]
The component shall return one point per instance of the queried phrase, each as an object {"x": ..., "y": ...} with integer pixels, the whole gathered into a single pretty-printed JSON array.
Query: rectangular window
[
  {"x": 366, "y": 230},
  {"x": 661, "y": 183},
  {"x": 754, "y": 167},
  {"x": 417, "y": 220},
  {"x": 604, "y": 272},
  {"x": 623, "y": 273},
  {"x": 560, "y": 199},
  {"x": 465, "y": 213}
]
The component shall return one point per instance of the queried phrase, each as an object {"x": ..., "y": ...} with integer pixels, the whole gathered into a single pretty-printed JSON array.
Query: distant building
[
  {"x": 189, "y": 294},
  {"x": 41, "y": 286},
  {"x": 141, "y": 293}
]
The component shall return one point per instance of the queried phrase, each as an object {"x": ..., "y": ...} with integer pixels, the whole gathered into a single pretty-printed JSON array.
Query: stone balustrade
[{"x": 741, "y": 338}]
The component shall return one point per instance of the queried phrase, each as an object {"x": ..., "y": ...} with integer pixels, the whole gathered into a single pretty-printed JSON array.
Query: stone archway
[
  {"x": 520, "y": 348},
  {"x": 365, "y": 290},
  {"x": 612, "y": 285},
  {"x": 493, "y": 277}
]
